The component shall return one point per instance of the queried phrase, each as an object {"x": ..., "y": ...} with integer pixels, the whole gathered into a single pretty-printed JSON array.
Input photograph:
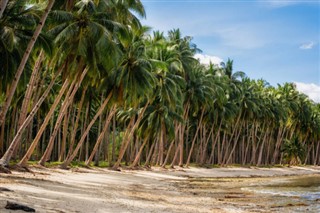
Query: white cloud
[
  {"x": 206, "y": 59},
  {"x": 311, "y": 90},
  {"x": 307, "y": 46}
]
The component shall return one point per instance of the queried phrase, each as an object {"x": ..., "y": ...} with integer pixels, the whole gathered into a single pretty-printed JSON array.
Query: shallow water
[{"x": 304, "y": 190}]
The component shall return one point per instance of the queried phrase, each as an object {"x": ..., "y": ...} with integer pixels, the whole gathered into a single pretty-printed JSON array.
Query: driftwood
[
  {"x": 2, "y": 189},
  {"x": 16, "y": 206}
]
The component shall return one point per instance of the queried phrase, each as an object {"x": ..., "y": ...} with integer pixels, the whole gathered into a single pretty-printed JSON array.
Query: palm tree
[
  {"x": 294, "y": 151},
  {"x": 133, "y": 78},
  {"x": 23, "y": 62}
]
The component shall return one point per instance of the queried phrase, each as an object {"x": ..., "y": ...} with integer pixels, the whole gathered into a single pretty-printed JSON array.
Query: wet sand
[{"x": 159, "y": 190}]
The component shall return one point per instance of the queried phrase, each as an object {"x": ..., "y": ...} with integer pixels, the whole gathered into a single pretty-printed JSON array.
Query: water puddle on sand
[{"x": 302, "y": 192}]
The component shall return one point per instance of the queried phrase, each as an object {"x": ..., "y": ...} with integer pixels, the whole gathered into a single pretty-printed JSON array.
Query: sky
[{"x": 276, "y": 40}]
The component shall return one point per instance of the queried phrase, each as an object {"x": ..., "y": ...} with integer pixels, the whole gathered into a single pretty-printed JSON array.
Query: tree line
[{"x": 84, "y": 80}]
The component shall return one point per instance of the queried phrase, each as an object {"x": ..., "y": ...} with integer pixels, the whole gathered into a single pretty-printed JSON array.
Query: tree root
[{"x": 3, "y": 169}]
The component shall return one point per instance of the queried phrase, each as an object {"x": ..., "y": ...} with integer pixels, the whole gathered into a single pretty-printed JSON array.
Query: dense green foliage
[{"x": 136, "y": 96}]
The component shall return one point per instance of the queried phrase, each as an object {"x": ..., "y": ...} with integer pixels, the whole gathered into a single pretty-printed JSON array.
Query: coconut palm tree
[{"x": 23, "y": 62}]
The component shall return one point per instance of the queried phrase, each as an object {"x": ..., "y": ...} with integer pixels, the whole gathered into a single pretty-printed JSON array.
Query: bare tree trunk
[
  {"x": 35, "y": 142},
  {"x": 4, "y": 161},
  {"x": 234, "y": 145},
  {"x": 128, "y": 137},
  {"x": 204, "y": 151},
  {"x": 195, "y": 137},
  {"x": 3, "y": 5},
  {"x": 161, "y": 143},
  {"x": 24, "y": 60},
  {"x": 147, "y": 163},
  {"x": 185, "y": 117},
  {"x": 84, "y": 135},
  {"x": 262, "y": 146},
  {"x": 75, "y": 127},
  {"x": 278, "y": 144},
  {"x": 169, "y": 150},
  {"x": 317, "y": 160},
  {"x": 178, "y": 129},
  {"x": 214, "y": 142},
  {"x": 65, "y": 125},
  {"x": 101, "y": 136},
  {"x": 136, "y": 160},
  {"x": 66, "y": 103},
  {"x": 113, "y": 154},
  {"x": 28, "y": 94}
]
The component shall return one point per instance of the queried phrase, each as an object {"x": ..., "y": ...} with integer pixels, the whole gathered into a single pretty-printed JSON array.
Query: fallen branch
[{"x": 16, "y": 206}]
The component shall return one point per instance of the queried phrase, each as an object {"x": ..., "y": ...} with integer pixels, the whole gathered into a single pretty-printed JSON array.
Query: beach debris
[
  {"x": 17, "y": 206},
  {"x": 2, "y": 189}
]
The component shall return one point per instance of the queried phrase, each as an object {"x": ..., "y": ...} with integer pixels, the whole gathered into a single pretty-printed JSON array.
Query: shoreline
[{"x": 159, "y": 190}]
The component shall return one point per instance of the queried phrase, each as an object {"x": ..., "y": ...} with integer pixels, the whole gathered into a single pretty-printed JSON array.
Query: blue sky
[{"x": 270, "y": 39}]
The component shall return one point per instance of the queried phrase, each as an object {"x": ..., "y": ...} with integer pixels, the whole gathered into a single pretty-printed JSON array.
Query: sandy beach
[{"x": 158, "y": 190}]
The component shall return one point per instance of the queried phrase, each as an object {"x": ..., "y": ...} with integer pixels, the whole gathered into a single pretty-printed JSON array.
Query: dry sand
[{"x": 159, "y": 190}]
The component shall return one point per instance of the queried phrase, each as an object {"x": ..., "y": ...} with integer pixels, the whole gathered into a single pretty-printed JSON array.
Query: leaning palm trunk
[
  {"x": 28, "y": 94},
  {"x": 128, "y": 138},
  {"x": 204, "y": 151},
  {"x": 234, "y": 146},
  {"x": 4, "y": 161},
  {"x": 183, "y": 127},
  {"x": 169, "y": 150},
  {"x": 75, "y": 127},
  {"x": 147, "y": 163},
  {"x": 65, "y": 105},
  {"x": 281, "y": 133},
  {"x": 137, "y": 158},
  {"x": 24, "y": 60},
  {"x": 102, "y": 134},
  {"x": 64, "y": 135},
  {"x": 178, "y": 129},
  {"x": 68, "y": 160},
  {"x": 262, "y": 146},
  {"x": 163, "y": 165},
  {"x": 195, "y": 138},
  {"x": 3, "y": 5},
  {"x": 24, "y": 160}
]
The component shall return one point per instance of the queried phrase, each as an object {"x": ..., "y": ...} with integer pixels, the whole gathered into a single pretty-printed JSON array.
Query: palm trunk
[
  {"x": 195, "y": 137},
  {"x": 317, "y": 160},
  {"x": 66, "y": 103},
  {"x": 161, "y": 142},
  {"x": 62, "y": 150},
  {"x": 75, "y": 127},
  {"x": 128, "y": 138},
  {"x": 102, "y": 134},
  {"x": 234, "y": 145},
  {"x": 281, "y": 133},
  {"x": 178, "y": 129},
  {"x": 36, "y": 140},
  {"x": 3, "y": 5},
  {"x": 185, "y": 118},
  {"x": 204, "y": 150},
  {"x": 28, "y": 94},
  {"x": 24, "y": 60},
  {"x": 214, "y": 142},
  {"x": 4, "y": 161},
  {"x": 262, "y": 146},
  {"x": 84, "y": 135},
  {"x": 169, "y": 150},
  {"x": 137, "y": 158},
  {"x": 113, "y": 154},
  {"x": 147, "y": 163}
]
